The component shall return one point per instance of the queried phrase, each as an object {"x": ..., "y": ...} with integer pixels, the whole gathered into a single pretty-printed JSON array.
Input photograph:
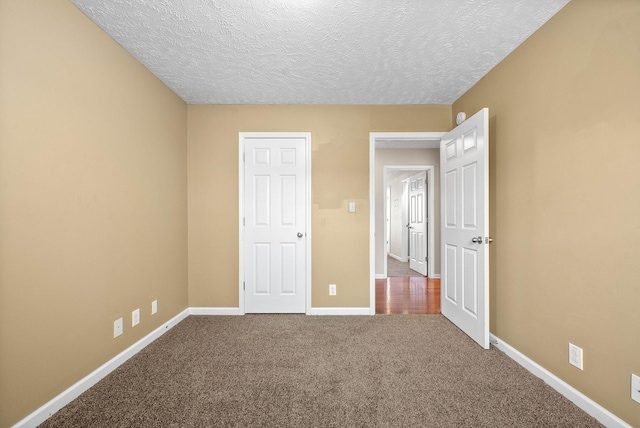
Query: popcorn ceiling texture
[{"x": 320, "y": 51}]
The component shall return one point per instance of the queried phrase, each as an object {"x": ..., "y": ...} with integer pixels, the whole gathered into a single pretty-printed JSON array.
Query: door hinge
[
  {"x": 426, "y": 259},
  {"x": 243, "y": 285},
  {"x": 244, "y": 223},
  {"x": 243, "y": 157}
]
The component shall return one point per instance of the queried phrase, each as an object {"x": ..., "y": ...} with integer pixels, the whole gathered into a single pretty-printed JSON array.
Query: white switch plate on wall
[
  {"x": 352, "y": 207},
  {"x": 332, "y": 289},
  {"x": 154, "y": 307}
]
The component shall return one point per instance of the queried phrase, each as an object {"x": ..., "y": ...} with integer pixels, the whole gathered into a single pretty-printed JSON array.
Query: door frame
[
  {"x": 391, "y": 139},
  {"x": 430, "y": 169},
  {"x": 405, "y": 219},
  {"x": 242, "y": 136}
]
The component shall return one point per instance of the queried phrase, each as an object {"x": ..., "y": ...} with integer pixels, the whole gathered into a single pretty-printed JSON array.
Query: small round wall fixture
[{"x": 460, "y": 117}]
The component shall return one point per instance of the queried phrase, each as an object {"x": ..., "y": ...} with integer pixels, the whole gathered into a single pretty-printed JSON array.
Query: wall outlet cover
[
  {"x": 575, "y": 356},
  {"x": 117, "y": 327},
  {"x": 635, "y": 387},
  {"x": 332, "y": 289},
  {"x": 135, "y": 318}
]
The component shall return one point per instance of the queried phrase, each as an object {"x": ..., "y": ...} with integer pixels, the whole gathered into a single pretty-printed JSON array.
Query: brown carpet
[{"x": 311, "y": 371}]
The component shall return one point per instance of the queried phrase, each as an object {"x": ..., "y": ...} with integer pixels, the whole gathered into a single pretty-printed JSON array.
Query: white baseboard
[
  {"x": 214, "y": 311},
  {"x": 398, "y": 258},
  {"x": 64, "y": 398},
  {"x": 381, "y": 276},
  {"x": 604, "y": 416},
  {"x": 436, "y": 276},
  {"x": 340, "y": 311}
]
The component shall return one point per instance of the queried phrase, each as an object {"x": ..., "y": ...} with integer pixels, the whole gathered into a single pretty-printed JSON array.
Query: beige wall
[
  {"x": 565, "y": 197},
  {"x": 93, "y": 220},
  {"x": 340, "y": 173},
  {"x": 390, "y": 157},
  {"x": 93, "y": 197}
]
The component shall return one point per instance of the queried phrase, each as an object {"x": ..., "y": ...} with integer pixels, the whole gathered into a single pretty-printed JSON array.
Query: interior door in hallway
[
  {"x": 275, "y": 229},
  {"x": 464, "y": 226},
  {"x": 418, "y": 223}
]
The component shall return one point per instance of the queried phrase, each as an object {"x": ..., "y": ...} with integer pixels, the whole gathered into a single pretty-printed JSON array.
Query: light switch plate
[
  {"x": 352, "y": 207},
  {"x": 154, "y": 307}
]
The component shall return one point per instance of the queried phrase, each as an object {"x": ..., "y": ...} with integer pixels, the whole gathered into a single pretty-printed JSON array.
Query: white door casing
[
  {"x": 418, "y": 223},
  {"x": 464, "y": 225},
  {"x": 399, "y": 138},
  {"x": 405, "y": 220},
  {"x": 275, "y": 270}
]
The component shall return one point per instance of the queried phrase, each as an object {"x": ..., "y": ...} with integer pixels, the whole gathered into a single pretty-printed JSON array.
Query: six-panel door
[{"x": 274, "y": 225}]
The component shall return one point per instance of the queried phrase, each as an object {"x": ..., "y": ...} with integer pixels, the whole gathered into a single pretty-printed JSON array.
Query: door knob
[
  {"x": 300, "y": 235},
  {"x": 488, "y": 240},
  {"x": 477, "y": 240}
]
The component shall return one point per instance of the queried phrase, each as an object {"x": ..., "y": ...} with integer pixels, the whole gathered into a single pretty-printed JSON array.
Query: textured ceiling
[{"x": 320, "y": 51}]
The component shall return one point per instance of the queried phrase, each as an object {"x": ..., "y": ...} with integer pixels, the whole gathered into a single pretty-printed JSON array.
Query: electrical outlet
[
  {"x": 135, "y": 318},
  {"x": 635, "y": 387},
  {"x": 117, "y": 327},
  {"x": 332, "y": 289},
  {"x": 575, "y": 356},
  {"x": 154, "y": 307}
]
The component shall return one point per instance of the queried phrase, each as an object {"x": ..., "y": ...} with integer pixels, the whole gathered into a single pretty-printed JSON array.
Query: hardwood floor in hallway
[{"x": 407, "y": 295}]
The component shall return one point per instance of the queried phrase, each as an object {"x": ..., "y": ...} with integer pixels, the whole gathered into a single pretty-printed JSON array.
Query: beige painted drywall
[
  {"x": 406, "y": 157},
  {"x": 340, "y": 173},
  {"x": 565, "y": 197},
  {"x": 93, "y": 178},
  {"x": 93, "y": 219}
]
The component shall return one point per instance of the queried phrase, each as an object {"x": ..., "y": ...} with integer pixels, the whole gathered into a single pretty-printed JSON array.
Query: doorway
[
  {"x": 409, "y": 211},
  {"x": 394, "y": 159}
]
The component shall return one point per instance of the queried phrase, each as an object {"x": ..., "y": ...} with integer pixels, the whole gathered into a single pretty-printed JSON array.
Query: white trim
[
  {"x": 307, "y": 137},
  {"x": 381, "y": 276},
  {"x": 594, "y": 409},
  {"x": 340, "y": 311},
  {"x": 372, "y": 224},
  {"x": 214, "y": 311},
  {"x": 71, "y": 393},
  {"x": 398, "y": 258},
  {"x": 373, "y": 136},
  {"x": 240, "y": 223},
  {"x": 435, "y": 276}
]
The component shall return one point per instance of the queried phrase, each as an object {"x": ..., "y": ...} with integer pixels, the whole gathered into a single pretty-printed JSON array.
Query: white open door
[
  {"x": 418, "y": 223},
  {"x": 464, "y": 178},
  {"x": 275, "y": 233}
]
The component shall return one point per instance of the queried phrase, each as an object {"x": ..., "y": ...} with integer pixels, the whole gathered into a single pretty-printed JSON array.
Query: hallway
[{"x": 402, "y": 293}]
